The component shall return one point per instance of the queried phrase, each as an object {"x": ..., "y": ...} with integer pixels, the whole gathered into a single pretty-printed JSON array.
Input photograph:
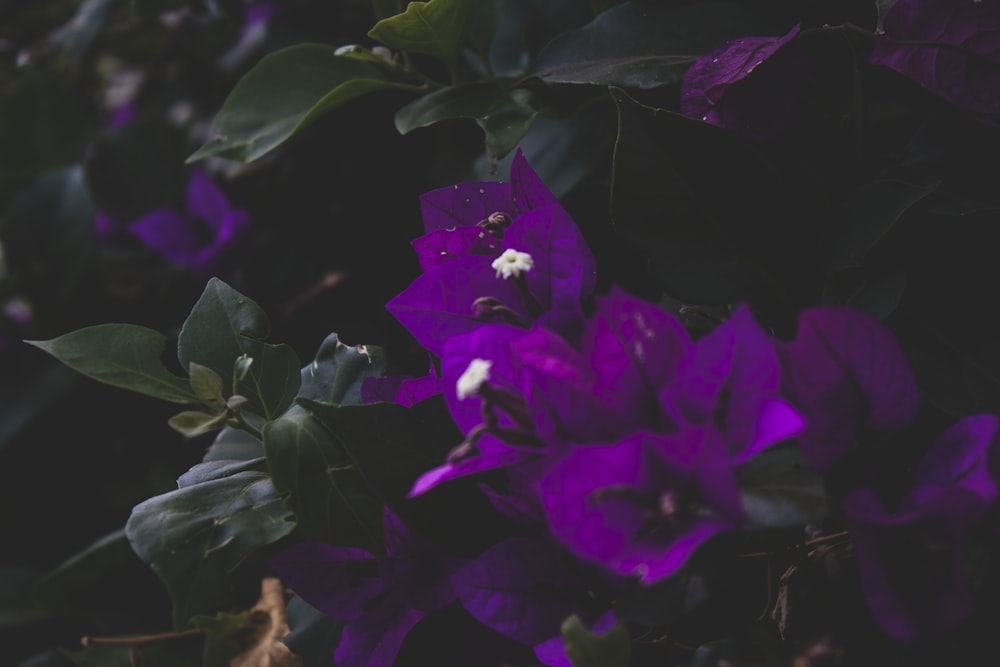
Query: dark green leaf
[
  {"x": 586, "y": 649},
  {"x": 641, "y": 44},
  {"x": 122, "y": 355},
  {"x": 314, "y": 635},
  {"x": 435, "y": 28},
  {"x": 779, "y": 489},
  {"x": 233, "y": 444},
  {"x": 391, "y": 445},
  {"x": 321, "y": 485},
  {"x": 880, "y": 295},
  {"x": 505, "y": 115},
  {"x": 869, "y": 214},
  {"x": 222, "y": 327},
  {"x": 286, "y": 91},
  {"x": 195, "y": 536},
  {"x": 668, "y": 173},
  {"x": 335, "y": 376},
  {"x": 482, "y": 27}
]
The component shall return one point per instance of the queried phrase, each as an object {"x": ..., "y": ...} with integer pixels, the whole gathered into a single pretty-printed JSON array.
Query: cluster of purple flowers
[{"x": 622, "y": 438}]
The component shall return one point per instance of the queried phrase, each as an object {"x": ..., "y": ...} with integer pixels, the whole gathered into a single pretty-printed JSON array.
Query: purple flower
[
  {"x": 381, "y": 599},
  {"x": 495, "y": 252},
  {"x": 750, "y": 85},
  {"x": 950, "y": 48},
  {"x": 523, "y": 588},
  {"x": 198, "y": 238},
  {"x": 847, "y": 374},
  {"x": 643, "y": 505},
  {"x": 912, "y": 561}
]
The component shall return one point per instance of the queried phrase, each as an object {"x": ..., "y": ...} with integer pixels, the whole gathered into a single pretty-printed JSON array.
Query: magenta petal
[
  {"x": 912, "y": 565},
  {"x": 490, "y": 342},
  {"x": 168, "y": 233},
  {"x": 205, "y": 201},
  {"x": 960, "y": 458},
  {"x": 522, "y": 588},
  {"x": 442, "y": 245},
  {"x": 527, "y": 189},
  {"x": 465, "y": 204},
  {"x": 845, "y": 371},
  {"x": 726, "y": 88},
  {"x": 565, "y": 270},
  {"x": 375, "y": 640},
  {"x": 338, "y": 581},
  {"x": 634, "y": 349},
  {"x": 488, "y": 459},
  {"x": 950, "y": 48},
  {"x": 596, "y": 533},
  {"x": 438, "y": 304},
  {"x": 406, "y": 391},
  {"x": 776, "y": 421}
]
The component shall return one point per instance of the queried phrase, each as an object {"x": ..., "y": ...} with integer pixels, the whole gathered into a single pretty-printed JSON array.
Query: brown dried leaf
[{"x": 267, "y": 624}]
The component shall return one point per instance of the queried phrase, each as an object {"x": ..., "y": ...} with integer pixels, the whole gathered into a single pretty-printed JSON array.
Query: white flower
[
  {"x": 512, "y": 263},
  {"x": 473, "y": 378}
]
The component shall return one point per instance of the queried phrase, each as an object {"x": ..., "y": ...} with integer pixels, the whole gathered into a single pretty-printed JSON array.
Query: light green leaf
[
  {"x": 223, "y": 326},
  {"x": 195, "y": 422},
  {"x": 206, "y": 383},
  {"x": 435, "y": 28},
  {"x": 196, "y": 536},
  {"x": 586, "y": 649},
  {"x": 122, "y": 355},
  {"x": 286, "y": 91}
]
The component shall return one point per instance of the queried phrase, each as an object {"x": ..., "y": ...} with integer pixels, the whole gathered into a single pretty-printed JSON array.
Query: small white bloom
[
  {"x": 473, "y": 378},
  {"x": 512, "y": 263},
  {"x": 383, "y": 53},
  {"x": 347, "y": 49}
]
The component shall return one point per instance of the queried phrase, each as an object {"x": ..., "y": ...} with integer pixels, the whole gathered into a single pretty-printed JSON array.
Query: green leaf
[
  {"x": 641, "y": 45},
  {"x": 779, "y": 489},
  {"x": 868, "y": 215},
  {"x": 435, "y": 28},
  {"x": 285, "y": 92},
  {"x": 505, "y": 115},
  {"x": 391, "y": 445},
  {"x": 338, "y": 371},
  {"x": 194, "y": 422},
  {"x": 586, "y": 649},
  {"x": 222, "y": 327},
  {"x": 196, "y": 536},
  {"x": 206, "y": 383},
  {"x": 122, "y": 355},
  {"x": 321, "y": 485}
]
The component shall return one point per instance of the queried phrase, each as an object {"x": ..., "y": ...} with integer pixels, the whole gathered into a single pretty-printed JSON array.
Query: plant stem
[{"x": 138, "y": 640}]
